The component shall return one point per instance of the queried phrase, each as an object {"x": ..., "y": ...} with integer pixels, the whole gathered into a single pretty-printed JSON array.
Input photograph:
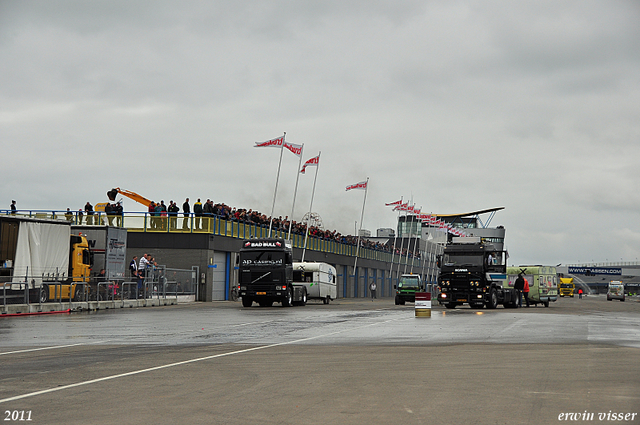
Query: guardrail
[
  {"x": 84, "y": 293},
  {"x": 159, "y": 283},
  {"x": 151, "y": 223}
]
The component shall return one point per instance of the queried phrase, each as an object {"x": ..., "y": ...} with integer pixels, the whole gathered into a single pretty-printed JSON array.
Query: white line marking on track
[
  {"x": 151, "y": 369},
  {"x": 49, "y": 348}
]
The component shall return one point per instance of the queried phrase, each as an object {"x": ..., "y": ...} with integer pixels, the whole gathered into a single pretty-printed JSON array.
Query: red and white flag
[
  {"x": 312, "y": 162},
  {"x": 401, "y": 207},
  {"x": 361, "y": 185},
  {"x": 295, "y": 149},
  {"x": 394, "y": 203},
  {"x": 410, "y": 208},
  {"x": 273, "y": 143}
]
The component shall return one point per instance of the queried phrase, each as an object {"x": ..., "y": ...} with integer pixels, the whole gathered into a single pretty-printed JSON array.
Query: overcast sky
[{"x": 460, "y": 105}]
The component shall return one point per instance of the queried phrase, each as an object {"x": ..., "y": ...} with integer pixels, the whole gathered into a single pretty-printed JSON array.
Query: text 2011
[{"x": 17, "y": 415}]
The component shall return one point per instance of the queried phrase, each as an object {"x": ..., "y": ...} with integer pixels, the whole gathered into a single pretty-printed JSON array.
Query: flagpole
[
  {"x": 366, "y": 188},
  {"x": 295, "y": 191},
  {"x": 426, "y": 254},
  {"x": 415, "y": 242},
  {"x": 313, "y": 191},
  {"x": 406, "y": 215},
  {"x": 395, "y": 238},
  {"x": 401, "y": 244},
  {"x": 275, "y": 191}
]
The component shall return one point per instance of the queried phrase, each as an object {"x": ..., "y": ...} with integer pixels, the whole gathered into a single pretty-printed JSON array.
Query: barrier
[
  {"x": 423, "y": 304},
  {"x": 150, "y": 223}
]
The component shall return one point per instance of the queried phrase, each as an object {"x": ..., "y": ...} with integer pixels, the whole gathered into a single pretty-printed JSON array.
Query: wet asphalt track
[{"x": 353, "y": 361}]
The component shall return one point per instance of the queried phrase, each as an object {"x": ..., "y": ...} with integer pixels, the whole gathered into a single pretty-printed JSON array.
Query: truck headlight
[{"x": 243, "y": 288}]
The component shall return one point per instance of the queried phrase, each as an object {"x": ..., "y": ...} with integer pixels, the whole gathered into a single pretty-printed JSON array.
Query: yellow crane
[{"x": 111, "y": 194}]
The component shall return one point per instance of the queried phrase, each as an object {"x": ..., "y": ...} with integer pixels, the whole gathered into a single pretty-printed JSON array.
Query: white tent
[{"x": 42, "y": 250}]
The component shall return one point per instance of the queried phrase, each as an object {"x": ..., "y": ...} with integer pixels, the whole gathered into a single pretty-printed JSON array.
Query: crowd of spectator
[
  {"x": 253, "y": 217},
  {"x": 158, "y": 213}
]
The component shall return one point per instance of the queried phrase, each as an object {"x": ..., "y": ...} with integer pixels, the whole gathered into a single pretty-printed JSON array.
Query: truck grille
[{"x": 261, "y": 288}]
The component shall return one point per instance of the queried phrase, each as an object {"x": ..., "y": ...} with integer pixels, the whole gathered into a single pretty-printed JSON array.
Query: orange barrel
[{"x": 423, "y": 304}]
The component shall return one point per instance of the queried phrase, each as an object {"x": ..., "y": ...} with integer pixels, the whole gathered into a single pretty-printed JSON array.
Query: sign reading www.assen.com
[{"x": 595, "y": 270}]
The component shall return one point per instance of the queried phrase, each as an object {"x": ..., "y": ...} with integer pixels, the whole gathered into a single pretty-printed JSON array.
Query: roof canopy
[{"x": 469, "y": 214}]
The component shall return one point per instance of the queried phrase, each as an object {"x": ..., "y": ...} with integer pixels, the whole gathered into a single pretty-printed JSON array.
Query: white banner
[
  {"x": 295, "y": 149},
  {"x": 312, "y": 162},
  {"x": 273, "y": 143},
  {"x": 361, "y": 185}
]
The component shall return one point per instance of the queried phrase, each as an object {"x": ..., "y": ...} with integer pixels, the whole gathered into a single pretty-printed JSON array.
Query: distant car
[{"x": 616, "y": 291}]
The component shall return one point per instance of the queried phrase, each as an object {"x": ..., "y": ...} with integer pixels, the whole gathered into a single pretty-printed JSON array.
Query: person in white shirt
[{"x": 144, "y": 263}]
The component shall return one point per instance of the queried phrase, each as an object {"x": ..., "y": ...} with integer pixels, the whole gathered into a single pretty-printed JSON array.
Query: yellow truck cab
[
  {"x": 79, "y": 271},
  {"x": 567, "y": 287}
]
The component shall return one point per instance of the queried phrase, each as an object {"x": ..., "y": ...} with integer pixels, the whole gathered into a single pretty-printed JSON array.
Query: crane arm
[{"x": 131, "y": 195}]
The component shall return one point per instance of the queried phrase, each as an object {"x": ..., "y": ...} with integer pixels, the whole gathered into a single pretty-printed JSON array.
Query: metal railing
[
  {"x": 158, "y": 282},
  {"x": 179, "y": 223}
]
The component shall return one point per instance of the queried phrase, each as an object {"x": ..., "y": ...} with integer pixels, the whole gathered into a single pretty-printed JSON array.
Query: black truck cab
[
  {"x": 474, "y": 272},
  {"x": 266, "y": 273}
]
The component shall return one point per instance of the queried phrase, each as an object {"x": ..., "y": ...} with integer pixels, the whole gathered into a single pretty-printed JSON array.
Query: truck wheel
[
  {"x": 493, "y": 299},
  {"x": 287, "y": 301},
  {"x": 303, "y": 302},
  {"x": 397, "y": 300},
  {"x": 326, "y": 300},
  {"x": 43, "y": 294},
  {"x": 546, "y": 303},
  {"x": 450, "y": 305},
  {"x": 246, "y": 302}
]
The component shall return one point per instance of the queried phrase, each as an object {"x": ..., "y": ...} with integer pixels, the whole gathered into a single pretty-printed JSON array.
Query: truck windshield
[
  {"x": 463, "y": 259},
  {"x": 262, "y": 258},
  {"x": 409, "y": 282},
  {"x": 566, "y": 285}
]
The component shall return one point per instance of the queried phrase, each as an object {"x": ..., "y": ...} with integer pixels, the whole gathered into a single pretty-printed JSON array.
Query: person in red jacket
[{"x": 525, "y": 291}]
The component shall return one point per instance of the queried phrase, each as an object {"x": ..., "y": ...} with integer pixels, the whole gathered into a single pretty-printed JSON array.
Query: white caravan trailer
[{"x": 318, "y": 278}]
